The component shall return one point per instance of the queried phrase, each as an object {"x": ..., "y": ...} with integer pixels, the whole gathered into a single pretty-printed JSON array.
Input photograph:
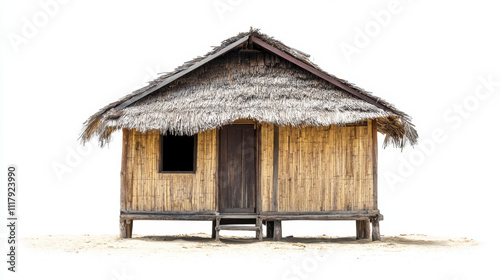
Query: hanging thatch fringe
[{"x": 247, "y": 85}]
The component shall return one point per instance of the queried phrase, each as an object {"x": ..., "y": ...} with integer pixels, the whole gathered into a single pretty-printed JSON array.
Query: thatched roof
[{"x": 250, "y": 76}]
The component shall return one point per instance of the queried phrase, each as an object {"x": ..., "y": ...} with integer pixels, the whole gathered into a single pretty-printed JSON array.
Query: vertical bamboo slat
[{"x": 322, "y": 169}]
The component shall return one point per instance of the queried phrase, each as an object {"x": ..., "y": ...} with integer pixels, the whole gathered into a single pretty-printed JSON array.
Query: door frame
[{"x": 257, "y": 155}]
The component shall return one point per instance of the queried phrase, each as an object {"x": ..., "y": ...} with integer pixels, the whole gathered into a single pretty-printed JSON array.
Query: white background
[{"x": 427, "y": 59}]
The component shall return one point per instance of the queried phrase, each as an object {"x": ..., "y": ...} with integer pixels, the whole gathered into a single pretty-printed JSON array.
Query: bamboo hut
[{"x": 251, "y": 134}]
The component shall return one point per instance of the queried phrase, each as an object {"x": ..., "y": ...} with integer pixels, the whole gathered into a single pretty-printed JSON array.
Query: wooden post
[
  {"x": 217, "y": 178},
  {"x": 277, "y": 231},
  {"x": 123, "y": 172},
  {"x": 375, "y": 229},
  {"x": 217, "y": 224},
  {"x": 258, "y": 169},
  {"x": 375, "y": 164},
  {"x": 213, "y": 228},
  {"x": 123, "y": 183},
  {"x": 269, "y": 229},
  {"x": 123, "y": 231},
  {"x": 259, "y": 230},
  {"x": 275, "y": 166},
  {"x": 129, "y": 224},
  {"x": 362, "y": 229}
]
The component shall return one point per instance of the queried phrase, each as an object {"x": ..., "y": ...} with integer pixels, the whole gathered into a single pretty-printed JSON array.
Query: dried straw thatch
[{"x": 246, "y": 82}]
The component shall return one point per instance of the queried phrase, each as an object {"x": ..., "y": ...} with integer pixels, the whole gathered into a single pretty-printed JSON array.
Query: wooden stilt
[
  {"x": 375, "y": 229},
  {"x": 362, "y": 229},
  {"x": 277, "y": 231},
  {"x": 269, "y": 229},
  {"x": 128, "y": 228},
  {"x": 213, "y": 228},
  {"x": 217, "y": 230},
  {"x": 259, "y": 231},
  {"x": 123, "y": 231}
]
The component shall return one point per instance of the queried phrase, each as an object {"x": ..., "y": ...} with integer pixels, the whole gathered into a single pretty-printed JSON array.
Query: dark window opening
[{"x": 178, "y": 153}]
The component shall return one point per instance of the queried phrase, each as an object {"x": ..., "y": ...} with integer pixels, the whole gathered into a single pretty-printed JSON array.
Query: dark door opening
[{"x": 237, "y": 169}]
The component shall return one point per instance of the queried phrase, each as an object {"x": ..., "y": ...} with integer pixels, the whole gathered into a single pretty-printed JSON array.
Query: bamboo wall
[
  {"x": 149, "y": 190},
  {"x": 319, "y": 169}
]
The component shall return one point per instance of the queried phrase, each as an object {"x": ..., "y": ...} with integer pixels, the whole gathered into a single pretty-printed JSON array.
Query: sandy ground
[
  {"x": 197, "y": 256},
  {"x": 202, "y": 245}
]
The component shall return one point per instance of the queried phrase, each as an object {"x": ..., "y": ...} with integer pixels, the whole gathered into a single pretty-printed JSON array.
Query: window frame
[{"x": 160, "y": 157}]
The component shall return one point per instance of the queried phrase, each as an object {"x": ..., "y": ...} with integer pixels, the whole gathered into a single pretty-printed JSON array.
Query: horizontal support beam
[
  {"x": 330, "y": 215},
  {"x": 266, "y": 216},
  {"x": 170, "y": 212},
  {"x": 236, "y": 216},
  {"x": 232, "y": 227},
  {"x": 337, "y": 212},
  {"x": 172, "y": 217},
  {"x": 318, "y": 217}
]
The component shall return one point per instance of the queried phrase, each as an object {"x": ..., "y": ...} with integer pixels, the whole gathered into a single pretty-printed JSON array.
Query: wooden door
[{"x": 237, "y": 169}]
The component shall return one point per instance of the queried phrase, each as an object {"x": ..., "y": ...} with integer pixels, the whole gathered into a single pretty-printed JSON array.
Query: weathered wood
[
  {"x": 123, "y": 229},
  {"x": 258, "y": 190},
  {"x": 128, "y": 228},
  {"x": 362, "y": 229},
  {"x": 259, "y": 232},
  {"x": 238, "y": 210},
  {"x": 270, "y": 229},
  {"x": 249, "y": 167},
  {"x": 216, "y": 187},
  {"x": 238, "y": 221},
  {"x": 233, "y": 227},
  {"x": 375, "y": 229},
  {"x": 375, "y": 164},
  {"x": 168, "y": 217},
  {"x": 238, "y": 216},
  {"x": 334, "y": 212},
  {"x": 275, "y": 167},
  {"x": 237, "y": 169},
  {"x": 245, "y": 121},
  {"x": 123, "y": 173},
  {"x": 217, "y": 230},
  {"x": 214, "y": 224},
  {"x": 192, "y": 213},
  {"x": 277, "y": 235},
  {"x": 318, "y": 217}
]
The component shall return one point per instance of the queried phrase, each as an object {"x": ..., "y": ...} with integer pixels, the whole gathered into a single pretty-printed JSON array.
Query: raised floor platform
[{"x": 272, "y": 221}]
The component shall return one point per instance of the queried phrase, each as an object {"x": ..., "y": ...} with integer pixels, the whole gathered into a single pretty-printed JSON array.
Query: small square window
[{"x": 178, "y": 153}]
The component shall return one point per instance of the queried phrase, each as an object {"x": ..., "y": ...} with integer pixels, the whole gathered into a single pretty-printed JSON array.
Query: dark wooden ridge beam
[
  {"x": 317, "y": 72},
  {"x": 182, "y": 73}
]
